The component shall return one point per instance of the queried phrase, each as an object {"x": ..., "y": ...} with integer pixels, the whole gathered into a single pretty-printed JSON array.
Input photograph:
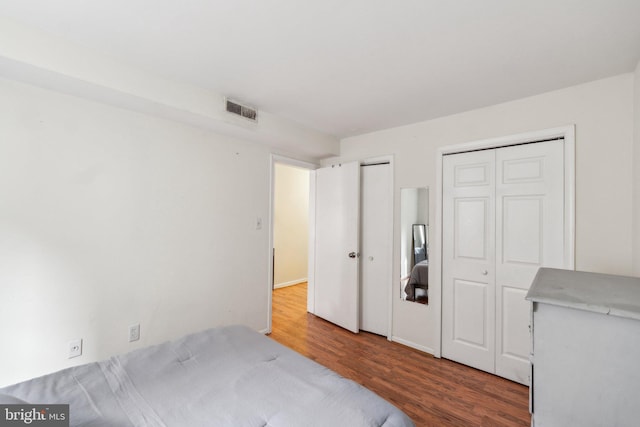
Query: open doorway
[{"x": 290, "y": 225}]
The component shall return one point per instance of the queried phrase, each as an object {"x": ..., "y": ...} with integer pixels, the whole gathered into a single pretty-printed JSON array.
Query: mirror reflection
[{"x": 414, "y": 244}]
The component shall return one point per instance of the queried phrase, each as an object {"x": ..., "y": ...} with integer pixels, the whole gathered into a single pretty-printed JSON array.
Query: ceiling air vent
[{"x": 241, "y": 110}]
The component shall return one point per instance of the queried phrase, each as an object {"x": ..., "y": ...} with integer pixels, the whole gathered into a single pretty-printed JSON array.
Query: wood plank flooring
[{"x": 433, "y": 392}]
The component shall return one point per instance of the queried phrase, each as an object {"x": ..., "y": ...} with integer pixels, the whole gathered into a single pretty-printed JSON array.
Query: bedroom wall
[
  {"x": 110, "y": 218},
  {"x": 603, "y": 114},
  {"x": 47, "y": 60},
  {"x": 290, "y": 225}
]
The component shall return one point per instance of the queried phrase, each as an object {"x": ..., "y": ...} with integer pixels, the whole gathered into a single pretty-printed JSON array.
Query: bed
[{"x": 229, "y": 376}]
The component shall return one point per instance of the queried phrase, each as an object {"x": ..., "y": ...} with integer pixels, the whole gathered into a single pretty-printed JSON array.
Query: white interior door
[
  {"x": 503, "y": 218},
  {"x": 376, "y": 248},
  {"x": 468, "y": 259},
  {"x": 529, "y": 235},
  {"x": 337, "y": 210}
]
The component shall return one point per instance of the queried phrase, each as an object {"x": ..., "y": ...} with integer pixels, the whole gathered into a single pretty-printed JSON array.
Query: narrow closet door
[
  {"x": 529, "y": 235},
  {"x": 377, "y": 253},
  {"x": 468, "y": 259},
  {"x": 337, "y": 211}
]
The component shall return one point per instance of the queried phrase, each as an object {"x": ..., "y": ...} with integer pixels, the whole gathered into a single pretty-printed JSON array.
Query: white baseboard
[
  {"x": 413, "y": 345},
  {"x": 290, "y": 283}
]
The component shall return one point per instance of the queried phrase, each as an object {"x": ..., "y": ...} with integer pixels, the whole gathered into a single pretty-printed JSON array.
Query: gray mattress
[{"x": 230, "y": 376}]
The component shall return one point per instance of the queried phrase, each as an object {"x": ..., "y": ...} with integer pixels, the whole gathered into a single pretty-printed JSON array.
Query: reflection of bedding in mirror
[{"x": 417, "y": 288}]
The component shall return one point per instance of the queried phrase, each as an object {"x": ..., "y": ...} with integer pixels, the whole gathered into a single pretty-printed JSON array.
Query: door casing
[{"x": 273, "y": 159}]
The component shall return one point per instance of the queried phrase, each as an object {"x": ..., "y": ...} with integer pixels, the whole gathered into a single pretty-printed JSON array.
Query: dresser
[{"x": 585, "y": 358}]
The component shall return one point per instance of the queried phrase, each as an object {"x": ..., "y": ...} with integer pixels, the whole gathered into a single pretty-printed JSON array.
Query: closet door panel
[
  {"x": 529, "y": 234},
  {"x": 470, "y": 314},
  {"x": 468, "y": 293},
  {"x": 377, "y": 249},
  {"x": 337, "y": 212},
  {"x": 503, "y": 218}
]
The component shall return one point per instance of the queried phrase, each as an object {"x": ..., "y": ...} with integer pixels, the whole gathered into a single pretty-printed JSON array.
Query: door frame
[
  {"x": 566, "y": 132},
  {"x": 273, "y": 159}
]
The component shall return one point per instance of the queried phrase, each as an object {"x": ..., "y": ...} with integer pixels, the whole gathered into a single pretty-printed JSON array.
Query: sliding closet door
[
  {"x": 529, "y": 235},
  {"x": 337, "y": 213},
  {"x": 468, "y": 259}
]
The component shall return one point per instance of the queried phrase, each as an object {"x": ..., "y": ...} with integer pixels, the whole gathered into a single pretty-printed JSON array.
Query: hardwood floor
[{"x": 433, "y": 392}]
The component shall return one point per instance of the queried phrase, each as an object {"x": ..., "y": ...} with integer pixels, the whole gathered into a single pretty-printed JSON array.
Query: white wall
[
  {"x": 603, "y": 114},
  {"x": 109, "y": 218},
  {"x": 636, "y": 173},
  {"x": 290, "y": 224},
  {"x": 47, "y": 60}
]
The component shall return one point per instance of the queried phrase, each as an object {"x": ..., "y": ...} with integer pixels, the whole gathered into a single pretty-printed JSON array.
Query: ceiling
[{"x": 347, "y": 67}]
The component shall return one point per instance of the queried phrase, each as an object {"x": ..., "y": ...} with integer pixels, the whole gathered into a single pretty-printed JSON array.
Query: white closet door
[
  {"x": 468, "y": 259},
  {"x": 376, "y": 253},
  {"x": 503, "y": 218},
  {"x": 337, "y": 209},
  {"x": 529, "y": 235}
]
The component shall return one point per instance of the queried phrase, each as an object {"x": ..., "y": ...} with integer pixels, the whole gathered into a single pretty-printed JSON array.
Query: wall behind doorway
[{"x": 290, "y": 225}]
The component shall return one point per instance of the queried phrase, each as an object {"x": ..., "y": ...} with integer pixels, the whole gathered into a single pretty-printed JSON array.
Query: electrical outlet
[
  {"x": 134, "y": 332},
  {"x": 75, "y": 348}
]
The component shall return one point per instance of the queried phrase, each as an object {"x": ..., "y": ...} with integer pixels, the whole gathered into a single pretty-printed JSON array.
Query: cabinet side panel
[{"x": 585, "y": 368}]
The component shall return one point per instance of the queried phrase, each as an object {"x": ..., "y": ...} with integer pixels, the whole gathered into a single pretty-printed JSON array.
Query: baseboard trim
[
  {"x": 290, "y": 283},
  {"x": 413, "y": 345}
]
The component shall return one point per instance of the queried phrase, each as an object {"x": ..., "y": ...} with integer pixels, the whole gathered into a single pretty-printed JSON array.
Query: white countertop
[{"x": 599, "y": 293}]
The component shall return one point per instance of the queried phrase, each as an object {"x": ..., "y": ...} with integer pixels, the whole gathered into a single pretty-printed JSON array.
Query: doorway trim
[
  {"x": 566, "y": 132},
  {"x": 273, "y": 159}
]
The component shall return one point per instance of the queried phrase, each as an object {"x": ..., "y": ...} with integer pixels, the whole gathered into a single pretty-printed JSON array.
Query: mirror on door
[{"x": 414, "y": 244}]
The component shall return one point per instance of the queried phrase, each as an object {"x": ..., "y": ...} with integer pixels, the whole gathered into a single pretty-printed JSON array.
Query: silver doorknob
[
  {"x": 353, "y": 254},
  {"x": 485, "y": 272}
]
